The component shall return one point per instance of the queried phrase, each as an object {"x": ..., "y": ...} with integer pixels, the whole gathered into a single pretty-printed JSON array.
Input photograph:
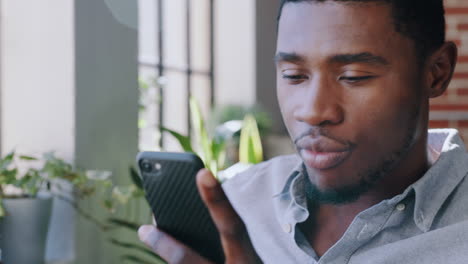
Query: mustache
[{"x": 317, "y": 132}]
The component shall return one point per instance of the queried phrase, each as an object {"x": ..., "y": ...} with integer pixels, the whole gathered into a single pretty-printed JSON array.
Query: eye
[
  {"x": 295, "y": 78},
  {"x": 355, "y": 79}
]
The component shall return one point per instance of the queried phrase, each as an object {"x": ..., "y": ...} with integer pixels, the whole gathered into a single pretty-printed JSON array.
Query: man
[{"x": 370, "y": 184}]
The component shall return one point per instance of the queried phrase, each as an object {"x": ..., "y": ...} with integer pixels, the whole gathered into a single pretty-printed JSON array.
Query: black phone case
[{"x": 176, "y": 204}]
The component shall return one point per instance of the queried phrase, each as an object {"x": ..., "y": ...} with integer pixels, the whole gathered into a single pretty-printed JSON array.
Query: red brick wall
[{"x": 451, "y": 110}]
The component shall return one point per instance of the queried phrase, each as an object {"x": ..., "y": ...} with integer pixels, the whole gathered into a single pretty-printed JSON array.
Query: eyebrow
[
  {"x": 288, "y": 57},
  {"x": 363, "y": 57}
]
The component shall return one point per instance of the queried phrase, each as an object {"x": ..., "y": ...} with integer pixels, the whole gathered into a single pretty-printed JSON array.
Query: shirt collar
[
  {"x": 290, "y": 203},
  {"x": 286, "y": 190},
  {"x": 448, "y": 170},
  {"x": 446, "y": 173}
]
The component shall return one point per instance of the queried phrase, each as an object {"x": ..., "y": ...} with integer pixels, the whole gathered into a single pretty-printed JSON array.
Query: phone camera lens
[{"x": 146, "y": 166}]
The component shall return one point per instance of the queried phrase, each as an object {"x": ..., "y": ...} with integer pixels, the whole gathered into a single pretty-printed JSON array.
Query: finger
[
  {"x": 167, "y": 247},
  {"x": 234, "y": 236}
]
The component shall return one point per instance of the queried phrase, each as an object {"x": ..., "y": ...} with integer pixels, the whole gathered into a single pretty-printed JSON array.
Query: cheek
[
  {"x": 384, "y": 119},
  {"x": 287, "y": 101}
]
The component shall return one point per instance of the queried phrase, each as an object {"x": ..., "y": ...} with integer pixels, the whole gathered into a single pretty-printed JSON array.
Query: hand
[{"x": 234, "y": 237}]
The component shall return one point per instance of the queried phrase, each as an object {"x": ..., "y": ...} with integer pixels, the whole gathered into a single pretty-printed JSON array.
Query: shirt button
[
  {"x": 287, "y": 228},
  {"x": 401, "y": 207}
]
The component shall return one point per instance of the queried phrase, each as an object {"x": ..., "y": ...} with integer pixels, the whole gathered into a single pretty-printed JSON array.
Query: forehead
[{"x": 310, "y": 29}]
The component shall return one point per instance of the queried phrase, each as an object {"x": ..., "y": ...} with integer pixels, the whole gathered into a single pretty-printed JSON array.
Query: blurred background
[{"x": 96, "y": 81}]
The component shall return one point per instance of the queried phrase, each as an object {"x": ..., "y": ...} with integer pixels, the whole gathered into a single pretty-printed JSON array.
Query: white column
[
  {"x": 235, "y": 52},
  {"x": 37, "y": 78},
  {"x": 37, "y": 86},
  {"x": 69, "y": 84}
]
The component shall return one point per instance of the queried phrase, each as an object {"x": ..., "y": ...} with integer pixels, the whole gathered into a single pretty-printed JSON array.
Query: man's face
[{"x": 350, "y": 92}]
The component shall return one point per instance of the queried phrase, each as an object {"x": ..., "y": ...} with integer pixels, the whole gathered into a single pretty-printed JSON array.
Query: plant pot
[{"x": 23, "y": 231}]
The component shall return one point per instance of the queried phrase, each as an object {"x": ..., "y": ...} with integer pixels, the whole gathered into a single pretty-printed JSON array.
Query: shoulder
[
  {"x": 271, "y": 172},
  {"x": 261, "y": 180},
  {"x": 455, "y": 207}
]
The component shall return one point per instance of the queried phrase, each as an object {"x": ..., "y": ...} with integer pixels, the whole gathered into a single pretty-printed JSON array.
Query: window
[{"x": 176, "y": 61}]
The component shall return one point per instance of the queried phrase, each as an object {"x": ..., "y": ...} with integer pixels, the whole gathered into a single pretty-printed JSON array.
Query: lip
[
  {"x": 323, "y": 153},
  {"x": 324, "y": 160}
]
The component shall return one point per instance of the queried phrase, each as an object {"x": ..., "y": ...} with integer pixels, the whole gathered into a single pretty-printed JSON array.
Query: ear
[{"x": 440, "y": 68}]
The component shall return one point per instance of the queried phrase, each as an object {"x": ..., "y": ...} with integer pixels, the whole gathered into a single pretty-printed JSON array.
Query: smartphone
[{"x": 170, "y": 187}]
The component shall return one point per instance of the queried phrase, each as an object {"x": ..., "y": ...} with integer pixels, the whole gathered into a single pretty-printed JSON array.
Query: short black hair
[{"x": 423, "y": 21}]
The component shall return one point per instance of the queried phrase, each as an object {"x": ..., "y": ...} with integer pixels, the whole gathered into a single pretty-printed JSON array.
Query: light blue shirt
[{"x": 427, "y": 223}]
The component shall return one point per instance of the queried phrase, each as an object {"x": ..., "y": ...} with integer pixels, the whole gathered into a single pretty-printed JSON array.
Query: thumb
[{"x": 234, "y": 237}]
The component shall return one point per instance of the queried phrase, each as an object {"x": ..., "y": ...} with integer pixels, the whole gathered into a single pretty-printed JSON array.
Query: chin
[
  {"x": 334, "y": 186},
  {"x": 330, "y": 179},
  {"x": 331, "y": 192}
]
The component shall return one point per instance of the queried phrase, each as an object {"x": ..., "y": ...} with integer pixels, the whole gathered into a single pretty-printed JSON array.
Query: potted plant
[
  {"x": 212, "y": 150},
  {"x": 27, "y": 186},
  {"x": 228, "y": 117}
]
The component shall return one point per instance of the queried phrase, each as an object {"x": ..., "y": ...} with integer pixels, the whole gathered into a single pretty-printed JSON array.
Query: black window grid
[{"x": 161, "y": 68}]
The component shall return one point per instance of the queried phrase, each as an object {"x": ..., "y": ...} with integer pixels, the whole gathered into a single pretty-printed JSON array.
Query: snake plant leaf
[
  {"x": 217, "y": 147},
  {"x": 184, "y": 141},
  {"x": 250, "y": 145},
  {"x": 212, "y": 151},
  {"x": 201, "y": 134},
  {"x": 218, "y": 150}
]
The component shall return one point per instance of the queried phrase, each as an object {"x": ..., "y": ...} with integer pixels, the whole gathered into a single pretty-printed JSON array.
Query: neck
[
  {"x": 411, "y": 168},
  {"x": 328, "y": 222}
]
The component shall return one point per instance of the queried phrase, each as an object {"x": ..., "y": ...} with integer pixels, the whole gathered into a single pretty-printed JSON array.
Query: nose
[{"x": 320, "y": 104}]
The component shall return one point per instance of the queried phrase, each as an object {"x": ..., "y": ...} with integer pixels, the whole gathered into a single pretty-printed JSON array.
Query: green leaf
[
  {"x": 27, "y": 158},
  {"x": 123, "y": 193},
  {"x": 94, "y": 175},
  {"x": 135, "y": 178},
  {"x": 218, "y": 149},
  {"x": 5, "y": 162},
  {"x": 142, "y": 123},
  {"x": 124, "y": 223},
  {"x": 109, "y": 204},
  {"x": 139, "y": 260},
  {"x": 9, "y": 176},
  {"x": 2, "y": 210},
  {"x": 31, "y": 182},
  {"x": 143, "y": 84},
  {"x": 250, "y": 145},
  {"x": 134, "y": 246},
  {"x": 184, "y": 141},
  {"x": 201, "y": 134},
  {"x": 24, "y": 180}
]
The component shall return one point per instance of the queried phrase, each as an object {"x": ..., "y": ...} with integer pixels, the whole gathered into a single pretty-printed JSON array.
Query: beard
[{"x": 368, "y": 179}]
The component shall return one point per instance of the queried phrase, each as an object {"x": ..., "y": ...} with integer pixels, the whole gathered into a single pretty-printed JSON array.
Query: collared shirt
[{"x": 427, "y": 223}]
